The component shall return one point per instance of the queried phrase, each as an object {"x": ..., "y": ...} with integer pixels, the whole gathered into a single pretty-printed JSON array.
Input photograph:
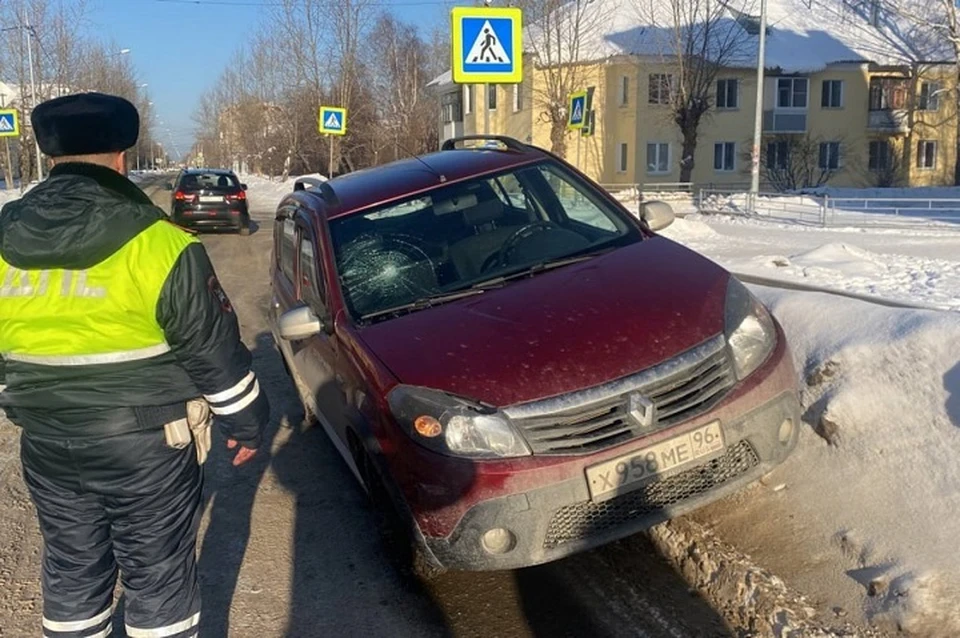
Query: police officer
[{"x": 112, "y": 325}]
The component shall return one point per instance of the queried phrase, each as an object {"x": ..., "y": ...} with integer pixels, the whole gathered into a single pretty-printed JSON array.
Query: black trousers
[{"x": 127, "y": 504}]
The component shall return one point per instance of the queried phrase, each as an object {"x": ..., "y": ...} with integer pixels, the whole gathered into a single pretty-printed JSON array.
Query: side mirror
[
  {"x": 657, "y": 214},
  {"x": 243, "y": 186},
  {"x": 300, "y": 323}
]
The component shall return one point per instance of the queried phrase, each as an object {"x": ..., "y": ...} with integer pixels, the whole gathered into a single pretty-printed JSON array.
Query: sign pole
[
  {"x": 579, "y": 139},
  {"x": 330, "y": 166},
  {"x": 486, "y": 109}
]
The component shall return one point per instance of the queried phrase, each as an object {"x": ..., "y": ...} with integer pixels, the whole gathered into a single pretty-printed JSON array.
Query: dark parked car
[
  {"x": 210, "y": 199},
  {"x": 520, "y": 367}
]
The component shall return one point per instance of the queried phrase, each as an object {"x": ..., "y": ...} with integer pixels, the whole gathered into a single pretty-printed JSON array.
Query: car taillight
[
  {"x": 238, "y": 197},
  {"x": 183, "y": 197}
]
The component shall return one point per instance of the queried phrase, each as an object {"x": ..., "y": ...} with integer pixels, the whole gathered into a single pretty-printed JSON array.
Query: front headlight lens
[
  {"x": 749, "y": 328},
  {"x": 466, "y": 428}
]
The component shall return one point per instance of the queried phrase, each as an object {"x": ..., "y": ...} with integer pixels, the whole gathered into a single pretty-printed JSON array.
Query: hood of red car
[{"x": 562, "y": 330}]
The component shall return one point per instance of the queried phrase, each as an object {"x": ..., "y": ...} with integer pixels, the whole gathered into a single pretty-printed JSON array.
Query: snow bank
[
  {"x": 920, "y": 267},
  {"x": 873, "y": 488},
  {"x": 264, "y": 193}
]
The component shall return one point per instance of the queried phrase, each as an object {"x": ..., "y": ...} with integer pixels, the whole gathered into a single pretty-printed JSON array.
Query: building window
[
  {"x": 624, "y": 90},
  {"x": 792, "y": 93},
  {"x": 728, "y": 94},
  {"x": 724, "y": 154},
  {"x": 927, "y": 154},
  {"x": 778, "y": 155},
  {"x": 832, "y": 96},
  {"x": 622, "y": 157},
  {"x": 929, "y": 96},
  {"x": 879, "y": 157},
  {"x": 492, "y": 97},
  {"x": 661, "y": 88},
  {"x": 888, "y": 93},
  {"x": 450, "y": 107},
  {"x": 658, "y": 157},
  {"x": 467, "y": 99},
  {"x": 829, "y": 156},
  {"x": 517, "y": 97}
]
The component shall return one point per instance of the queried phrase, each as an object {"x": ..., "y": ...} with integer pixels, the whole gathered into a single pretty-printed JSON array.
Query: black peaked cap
[{"x": 85, "y": 124}]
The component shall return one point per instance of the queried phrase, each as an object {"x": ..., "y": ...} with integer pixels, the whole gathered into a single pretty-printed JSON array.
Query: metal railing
[{"x": 825, "y": 211}]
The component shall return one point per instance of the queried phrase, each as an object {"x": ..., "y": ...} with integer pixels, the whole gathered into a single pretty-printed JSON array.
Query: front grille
[
  {"x": 680, "y": 389},
  {"x": 587, "y": 519}
]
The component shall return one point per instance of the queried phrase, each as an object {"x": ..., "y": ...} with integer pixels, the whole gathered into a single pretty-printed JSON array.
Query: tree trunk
[
  {"x": 688, "y": 153},
  {"x": 558, "y": 136}
]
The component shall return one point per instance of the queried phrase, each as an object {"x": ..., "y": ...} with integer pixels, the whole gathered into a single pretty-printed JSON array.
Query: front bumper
[{"x": 551, "y": 522}]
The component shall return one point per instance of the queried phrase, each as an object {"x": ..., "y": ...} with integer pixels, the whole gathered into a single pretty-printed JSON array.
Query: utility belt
[{"x": 195, "y": 427}]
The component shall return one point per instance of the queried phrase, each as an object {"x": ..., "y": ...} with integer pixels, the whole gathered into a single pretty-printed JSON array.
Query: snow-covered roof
[
  {"x": 443, "y": 79},
  {"x": 802, "y": 35}
]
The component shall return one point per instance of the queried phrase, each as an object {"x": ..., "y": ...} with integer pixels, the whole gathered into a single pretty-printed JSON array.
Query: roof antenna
[{"x": 439, "y": 175}]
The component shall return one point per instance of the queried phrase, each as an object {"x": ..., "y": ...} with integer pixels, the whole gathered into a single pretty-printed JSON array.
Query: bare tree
[
  {"x": 563, "y": 36},
  {"x": 696, "y": 40},
  {"x": 936, "y": 31},
  {"x": 794, "y": 162}
]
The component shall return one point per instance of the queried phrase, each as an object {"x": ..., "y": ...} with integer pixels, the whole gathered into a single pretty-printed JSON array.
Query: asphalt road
[{"x": 289, "y": 546}]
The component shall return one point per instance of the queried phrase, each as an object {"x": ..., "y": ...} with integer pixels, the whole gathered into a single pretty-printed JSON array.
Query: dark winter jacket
[{"x": 75, "y": 219}]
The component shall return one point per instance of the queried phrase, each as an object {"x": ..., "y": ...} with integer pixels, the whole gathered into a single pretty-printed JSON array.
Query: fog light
[
  {"x": 498, "y": 540},
  {"x": 786, "y": 431}
]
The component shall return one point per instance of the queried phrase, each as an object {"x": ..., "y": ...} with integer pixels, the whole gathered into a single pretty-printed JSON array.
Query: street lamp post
[{"x": 758, "y": 114}]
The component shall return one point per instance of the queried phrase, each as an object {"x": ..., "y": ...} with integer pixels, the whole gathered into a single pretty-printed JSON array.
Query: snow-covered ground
[
  {"x": 863, "y": 516},
  {"x": 910, "y": 266},
  {"x": 265, "y": 193}
]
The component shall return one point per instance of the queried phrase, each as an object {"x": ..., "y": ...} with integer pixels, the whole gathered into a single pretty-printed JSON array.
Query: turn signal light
[{"x": 427, "y": 426}]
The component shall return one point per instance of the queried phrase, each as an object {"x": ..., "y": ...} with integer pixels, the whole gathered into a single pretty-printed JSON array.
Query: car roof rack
[
  {"x": 303, "y": 182},
  {"x": 510, "y": 142}
]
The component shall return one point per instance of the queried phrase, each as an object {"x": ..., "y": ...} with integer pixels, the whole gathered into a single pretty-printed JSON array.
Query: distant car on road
[
  {"x": 209, "y": 199},
  {"x": 515, "y": 364}
]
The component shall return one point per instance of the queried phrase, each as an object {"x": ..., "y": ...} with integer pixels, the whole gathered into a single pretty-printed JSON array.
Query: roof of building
[{"x": 802, "y": 35}]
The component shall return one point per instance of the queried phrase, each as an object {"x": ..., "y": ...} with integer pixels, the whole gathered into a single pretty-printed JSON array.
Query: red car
[{"x": 514, "y": 363}]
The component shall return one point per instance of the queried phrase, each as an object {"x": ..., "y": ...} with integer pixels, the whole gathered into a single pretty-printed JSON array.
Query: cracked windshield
[{"x": 469, "y": 233}]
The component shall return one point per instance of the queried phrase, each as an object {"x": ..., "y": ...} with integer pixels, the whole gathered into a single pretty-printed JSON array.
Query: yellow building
[{"x": 842, "y": 104}]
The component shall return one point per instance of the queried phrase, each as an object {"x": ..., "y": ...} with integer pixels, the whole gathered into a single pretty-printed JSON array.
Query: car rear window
[
  {"x": 463, "y": 234},
  {"x": 208, "y": 181}
]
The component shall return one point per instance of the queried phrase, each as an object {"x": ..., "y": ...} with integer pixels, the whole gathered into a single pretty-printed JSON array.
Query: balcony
[
  {"x": 888, "y": 120},
  {"x": 785, "y": 121}
]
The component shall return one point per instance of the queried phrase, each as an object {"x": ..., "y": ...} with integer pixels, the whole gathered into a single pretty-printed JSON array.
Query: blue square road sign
[{"x": 487, "y": 45}]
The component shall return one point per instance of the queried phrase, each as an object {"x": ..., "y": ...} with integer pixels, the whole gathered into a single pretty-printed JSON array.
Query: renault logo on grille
[{"x": 641, "y": 410}]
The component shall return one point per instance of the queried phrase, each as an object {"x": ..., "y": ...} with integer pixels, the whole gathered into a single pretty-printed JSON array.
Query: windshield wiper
[
  {"x": 425, "y": 302},
  {"x": 539, "y": 267}
]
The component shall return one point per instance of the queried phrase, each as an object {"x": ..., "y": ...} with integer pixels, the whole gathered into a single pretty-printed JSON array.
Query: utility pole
[
  {"x": 33, "y": 89},
  {"x": 758, "y": 114}
]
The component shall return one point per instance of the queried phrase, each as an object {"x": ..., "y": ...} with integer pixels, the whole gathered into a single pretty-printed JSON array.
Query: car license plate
[
  {"x": 211, "y": 198},
  {"x": 631, "y": 470}
]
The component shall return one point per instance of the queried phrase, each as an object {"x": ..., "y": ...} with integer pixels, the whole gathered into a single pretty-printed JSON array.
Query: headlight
[
  {"x": 452, "y": 425},
  {"x": 749, "y": 329}
]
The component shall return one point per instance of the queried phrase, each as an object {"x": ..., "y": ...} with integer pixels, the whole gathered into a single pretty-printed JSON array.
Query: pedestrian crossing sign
[
  {"x": 333, "y": 120},
  {"x": 577, "y": 110},
  {"x": 487, "y": 45},
  {"x": 9, "y": 123}
]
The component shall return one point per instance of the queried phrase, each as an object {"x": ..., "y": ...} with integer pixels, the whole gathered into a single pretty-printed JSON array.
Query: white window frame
[
  {"x": 623, "y": 157},
  {"x": 624, "y": 97},
  {"x": 671, "y": 89},
  {"x": 517, "y": 101},
  {"x": 659, "y": 146},
  {"x": 793, "y": 106},
  {"x": 922, "y": 155},
  {"x": 736, "y": 94},
  {"x": 889, "y": 155},
  {"x": 831, "y": 144},
  {"x": 932, "y": 97},
  {"x": 467, "y": 99},
  {"x": 823, "y": 84},
  {"x": 723, "y": 158}
]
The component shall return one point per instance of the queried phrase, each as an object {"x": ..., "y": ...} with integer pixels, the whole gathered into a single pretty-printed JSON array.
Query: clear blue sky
[{"x": 179, "y": 47}]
